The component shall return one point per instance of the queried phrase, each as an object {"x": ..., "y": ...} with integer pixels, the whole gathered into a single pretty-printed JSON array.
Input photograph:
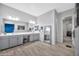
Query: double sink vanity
[{"x": 15, "y": 39}]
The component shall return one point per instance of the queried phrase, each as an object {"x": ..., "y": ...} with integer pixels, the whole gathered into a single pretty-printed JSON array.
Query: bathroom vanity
[{"x": 14, "y": 39}]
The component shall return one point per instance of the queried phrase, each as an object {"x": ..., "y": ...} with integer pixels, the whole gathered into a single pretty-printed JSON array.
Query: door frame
[{"x": 73, "y": 27}]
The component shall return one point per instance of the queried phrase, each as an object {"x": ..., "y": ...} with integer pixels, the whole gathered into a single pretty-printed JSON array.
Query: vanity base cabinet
[
  {"x": 12, "y": 41},
  {"x": 4, "y": 43}
]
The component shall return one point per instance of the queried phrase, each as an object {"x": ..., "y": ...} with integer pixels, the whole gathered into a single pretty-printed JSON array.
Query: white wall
[
  {"x": 56, "y": 22},
  {"x": 8, "y": 11},
  {"x": 24, "y": 17},
  {"x": 46, "y": 19},
  {"x": 1, "y": 26}
]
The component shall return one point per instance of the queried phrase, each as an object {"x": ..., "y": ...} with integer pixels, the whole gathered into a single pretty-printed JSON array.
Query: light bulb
[{"x": 32, "y": 22}]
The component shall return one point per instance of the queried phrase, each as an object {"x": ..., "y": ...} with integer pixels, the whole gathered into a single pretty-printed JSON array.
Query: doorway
[
  {"x": 67, "y": 31},
  {"x": 47, "y": 34}
]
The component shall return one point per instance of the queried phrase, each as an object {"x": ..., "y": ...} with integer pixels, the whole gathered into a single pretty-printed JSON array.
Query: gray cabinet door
[
  {"x": 4, "y": 42},
  {"x": 36, "y": 37},
  {"x": 13, "y": 41},
  {"x": 31, "y": 37},
  {"x": 20, "y": 39}
]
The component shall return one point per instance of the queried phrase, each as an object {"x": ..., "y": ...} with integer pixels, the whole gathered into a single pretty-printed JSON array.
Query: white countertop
[{"x": 10, "y": 34}]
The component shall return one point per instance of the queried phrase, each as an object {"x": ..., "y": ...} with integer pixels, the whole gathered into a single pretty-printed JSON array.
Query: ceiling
[{"x": 37, "y": 9}]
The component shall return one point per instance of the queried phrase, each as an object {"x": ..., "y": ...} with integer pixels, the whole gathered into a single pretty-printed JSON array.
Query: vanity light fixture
[
  {"x": 47, "y": 29},
  {"x": 12, "y": 18},
  {"x": 15, "y": 19},
  {"x": 1, "y": 17},
  {"x": 32, "y": 22},
  {"x": 9, "y": 17}
]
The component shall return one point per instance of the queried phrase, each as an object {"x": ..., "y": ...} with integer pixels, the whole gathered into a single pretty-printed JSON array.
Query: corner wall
[{"x": 49, "y": 18}]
